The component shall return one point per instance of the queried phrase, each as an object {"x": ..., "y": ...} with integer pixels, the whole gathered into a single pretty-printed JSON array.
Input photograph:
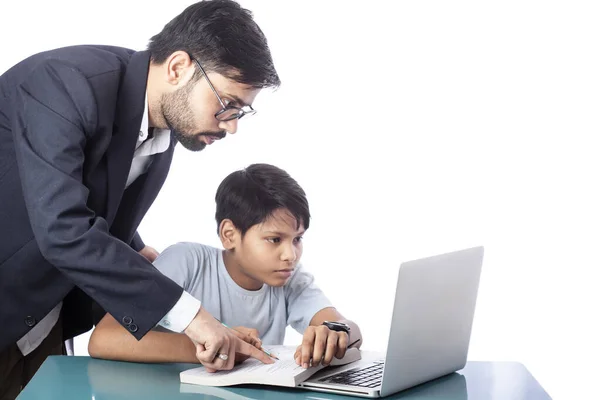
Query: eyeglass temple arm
[{"x": 208, "y": 80}]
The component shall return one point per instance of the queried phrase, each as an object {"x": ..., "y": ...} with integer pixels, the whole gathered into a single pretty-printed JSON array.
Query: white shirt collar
[
  {"x": 145, "y": 121},
  {"x": 160, "y": 141}
]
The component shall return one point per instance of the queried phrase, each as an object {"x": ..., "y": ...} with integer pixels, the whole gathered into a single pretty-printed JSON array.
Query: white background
[{"x": 415, "y": 127}]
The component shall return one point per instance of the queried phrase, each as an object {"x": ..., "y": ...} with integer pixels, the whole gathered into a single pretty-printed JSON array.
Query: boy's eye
[
  {"x": 299, "y": 239},
  {"x": 274, "y": 240}
]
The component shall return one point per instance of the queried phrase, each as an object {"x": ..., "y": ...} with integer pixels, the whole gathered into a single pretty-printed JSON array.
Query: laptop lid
[{"x": 432, "y": 318}]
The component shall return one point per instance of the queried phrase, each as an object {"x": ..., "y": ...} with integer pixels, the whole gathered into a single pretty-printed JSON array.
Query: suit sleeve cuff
[{"x": 182, "y": 313}]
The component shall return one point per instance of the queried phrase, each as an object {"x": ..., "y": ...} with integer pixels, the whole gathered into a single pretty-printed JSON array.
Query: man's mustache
[{"x": 219, "y": 135}]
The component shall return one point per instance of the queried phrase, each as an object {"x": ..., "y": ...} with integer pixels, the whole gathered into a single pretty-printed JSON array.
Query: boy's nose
[{"x": 289, "y": 254}]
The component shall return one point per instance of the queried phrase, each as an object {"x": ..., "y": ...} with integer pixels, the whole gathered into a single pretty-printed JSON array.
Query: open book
[{"x": 284, "y": 372}]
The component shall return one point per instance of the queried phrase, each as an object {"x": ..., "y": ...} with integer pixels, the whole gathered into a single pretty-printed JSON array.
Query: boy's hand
[
  {"x": 149, "y": 253},
  {"x": 320, "y": 344},
  {"x": 248, "y": 335}
]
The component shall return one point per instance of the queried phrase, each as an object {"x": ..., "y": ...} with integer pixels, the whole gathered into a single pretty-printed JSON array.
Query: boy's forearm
[{"x": 112, "y": 342}]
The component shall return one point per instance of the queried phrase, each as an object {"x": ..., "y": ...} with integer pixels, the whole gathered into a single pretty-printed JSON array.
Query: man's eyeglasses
[{"x": 227, "y": 112}]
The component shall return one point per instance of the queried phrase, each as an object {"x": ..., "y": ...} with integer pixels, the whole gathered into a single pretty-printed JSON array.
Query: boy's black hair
[{"x": 249, "y": 196}]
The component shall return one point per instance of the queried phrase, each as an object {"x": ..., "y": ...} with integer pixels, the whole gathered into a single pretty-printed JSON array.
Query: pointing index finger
[{"x": 249, "y": 350}]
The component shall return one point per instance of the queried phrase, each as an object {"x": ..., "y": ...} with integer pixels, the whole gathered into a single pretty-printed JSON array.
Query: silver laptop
[{"x": 430, "y": 330}]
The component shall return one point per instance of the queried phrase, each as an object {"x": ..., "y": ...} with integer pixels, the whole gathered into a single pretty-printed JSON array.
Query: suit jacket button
[
  {"x": 29, "y": 321},
  {"x": 133, "y": 328},
  {"x": 127, "y": 320}
]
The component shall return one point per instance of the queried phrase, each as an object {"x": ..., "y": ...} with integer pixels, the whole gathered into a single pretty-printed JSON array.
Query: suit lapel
[{"x": 130, "y": 110}]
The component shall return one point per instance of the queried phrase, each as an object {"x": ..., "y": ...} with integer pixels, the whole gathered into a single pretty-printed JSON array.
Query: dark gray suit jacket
[{"x": 69, "y": 122}]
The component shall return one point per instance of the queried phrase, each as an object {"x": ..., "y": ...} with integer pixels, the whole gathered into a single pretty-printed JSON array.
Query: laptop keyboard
[{"x": 369, "y": 376}]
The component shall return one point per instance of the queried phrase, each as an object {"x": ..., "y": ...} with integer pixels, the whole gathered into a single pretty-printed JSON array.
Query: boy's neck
[{"x": 236, "y": 272}]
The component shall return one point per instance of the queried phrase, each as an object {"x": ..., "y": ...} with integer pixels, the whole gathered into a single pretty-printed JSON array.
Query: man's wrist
[{"x": 182, "y": 313}]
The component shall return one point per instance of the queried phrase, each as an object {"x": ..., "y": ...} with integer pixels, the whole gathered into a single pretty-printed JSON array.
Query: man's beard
[
  {"x": 193, "y": 142},
  {"x": 179, "y": 117}
]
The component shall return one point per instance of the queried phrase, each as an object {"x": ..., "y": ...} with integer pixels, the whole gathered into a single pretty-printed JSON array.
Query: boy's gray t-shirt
[{"x": 200, "y": 270}]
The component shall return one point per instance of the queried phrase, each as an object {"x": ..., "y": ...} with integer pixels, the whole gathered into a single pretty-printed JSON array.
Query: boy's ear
[{"x": 228, "y": 234}]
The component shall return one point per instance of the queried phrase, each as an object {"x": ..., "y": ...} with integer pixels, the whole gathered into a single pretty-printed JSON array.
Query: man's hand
[
  {"x": 320, "y": 344},
  {"x": 149, "y": 253},
  {"x": 218, "y": 346},
  {"x": 248, "y": 335}
]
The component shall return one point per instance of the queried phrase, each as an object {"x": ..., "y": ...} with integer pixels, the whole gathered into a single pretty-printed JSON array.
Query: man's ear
[
  {"x": 228, "y": 234},
  {"x": 178, "y": 68}
]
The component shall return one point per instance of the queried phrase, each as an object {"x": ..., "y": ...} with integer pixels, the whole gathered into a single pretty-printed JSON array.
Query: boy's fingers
[
  {"x": 331, "y": 349},
  {"x": 341, "y": 352},
  {"x": 343, "y": 339},
  {"x": 320, "y": 345},
  {"x": 342, "y": 345},
  {"x": 298, "y": 355},
  {"x": 307, "y": 348},
  {"x": 248, "y": 335},
  {"x": 241, "y": 335},
  {"x": 256, "y": 342},
  {"x": 253, "y": 340}
]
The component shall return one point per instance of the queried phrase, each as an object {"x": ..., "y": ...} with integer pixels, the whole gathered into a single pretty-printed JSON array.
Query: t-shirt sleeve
[
  {"x": 303, "y": 299},
  {"x": 181, "y": 263}
]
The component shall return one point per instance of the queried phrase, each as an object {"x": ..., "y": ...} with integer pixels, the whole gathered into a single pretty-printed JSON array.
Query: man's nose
[{"x": 229, "y": 126}]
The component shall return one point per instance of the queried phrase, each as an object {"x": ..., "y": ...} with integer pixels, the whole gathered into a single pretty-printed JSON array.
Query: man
[{"x": 79, "y": 168}]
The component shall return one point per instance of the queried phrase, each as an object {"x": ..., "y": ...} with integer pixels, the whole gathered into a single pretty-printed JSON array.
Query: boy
[{"x": 255, "y": 284}]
